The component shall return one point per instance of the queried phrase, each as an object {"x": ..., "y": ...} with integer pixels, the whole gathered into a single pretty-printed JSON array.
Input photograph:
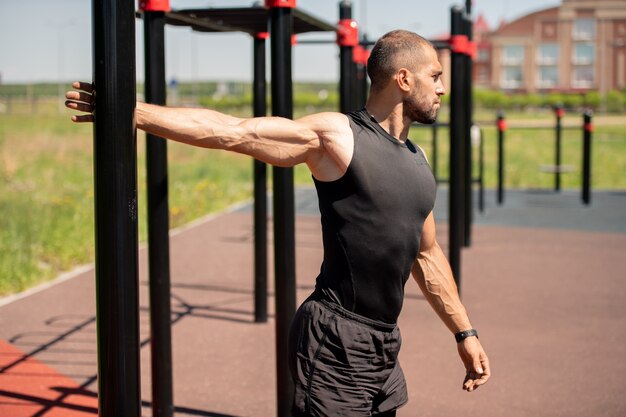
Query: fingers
[
  {"x": 83, "y": 119},
  {"x": 81, "y": 99},
  {"x": 477, "y": 375},
  {"x": 74, "y": 105},
  {"x": 80, "y": 85},
  {"x": 78, "y": 96}
]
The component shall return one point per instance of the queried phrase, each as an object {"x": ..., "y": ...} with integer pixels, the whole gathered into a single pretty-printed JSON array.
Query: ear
[{"x": 403, "y": 79}]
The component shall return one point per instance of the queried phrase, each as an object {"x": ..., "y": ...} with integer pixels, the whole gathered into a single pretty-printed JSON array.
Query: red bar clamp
[
  {"x": 154, "y": 5},
  {"x": 588, "y": 127},
  {"x": 347, "y": 33},
  {"x": 360, "y": 55},
  {"x": 459, "y": 44},
  {"x": 501, "y": 125},
  {"x": 291, "y": 4},
  {"x": 560, "y": 112},
  {"x": 472, "y": 49},
  {"x": 262, "y": 35}
]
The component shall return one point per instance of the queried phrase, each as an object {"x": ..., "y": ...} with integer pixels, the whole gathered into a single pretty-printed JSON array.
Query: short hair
[{"x": 394, "y": 50}]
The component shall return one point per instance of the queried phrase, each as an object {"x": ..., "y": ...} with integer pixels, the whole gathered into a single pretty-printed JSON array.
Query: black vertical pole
[
  {"x": 434, "y": 128},
  {"x": 481, "y": 175},
  {"x": 281, "y": 28},
  {"x": 158, "y": 223},
  {"x": 501, "y": 126},
  {"x": 558, "y": 112},
  {"x": 115, "y": 180},
  {"x": 345, "y": 62},
  {"x": 259, "y": 97},
  {"x": 362, "y": 75},
  {"x": 467, "y": 106},
  {"x": 457, "y": 140},
  {"x": 586, "y": 180}
]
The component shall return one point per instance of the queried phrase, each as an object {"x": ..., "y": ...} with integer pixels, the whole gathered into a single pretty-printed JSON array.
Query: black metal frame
[
  {"x": 115, "y": 182},
  {"x": 586, "y": 153},
  {"x": 158, "y": 223},
  {"x": 458, "y": 134}
]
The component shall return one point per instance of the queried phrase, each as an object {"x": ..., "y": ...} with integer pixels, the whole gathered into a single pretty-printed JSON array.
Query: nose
[{"x": 440, "y": 90}]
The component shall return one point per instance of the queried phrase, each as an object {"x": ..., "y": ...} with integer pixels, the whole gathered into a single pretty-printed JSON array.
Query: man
[{"x": 376, "y": 195}]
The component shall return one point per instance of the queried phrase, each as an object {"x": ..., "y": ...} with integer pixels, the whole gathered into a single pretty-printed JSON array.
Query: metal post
[
  {"x": 467, "y": 106},
  {"x": 457, "y": 141},
  {"x": 434, "y": 128},
  {"x": 281, "y": 26},
  {"x": 259, "y": 97},
  {"x": 586, "y": 171},
  {"x": 158, "y": 223},
  {"x": 115, "y": 180},
  {"x": 481, "y": 176},
  {"x": 501, "y": 126},
  {"x": 558, "y": 112},
  {"x": 362, "y": 75},
  {"x": 345, "y": 59}
]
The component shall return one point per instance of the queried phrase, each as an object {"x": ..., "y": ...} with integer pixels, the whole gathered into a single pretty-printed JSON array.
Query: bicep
[
  {"x": 321, "y": 140},
  {"x": 429, "y": 234},
  {"x": 275, "y": 140}
]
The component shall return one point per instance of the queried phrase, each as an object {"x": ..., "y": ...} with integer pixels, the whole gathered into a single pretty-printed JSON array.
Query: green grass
[
  {"x": 46, "y": 181},
  {"x": 46, "y": 193}
]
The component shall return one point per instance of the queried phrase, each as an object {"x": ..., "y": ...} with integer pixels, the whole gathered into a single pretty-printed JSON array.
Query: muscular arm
[
  {"x": 274, "y": 140},
  {"x": 323, "y": 141},
  {"x": 434, "y": 277}
]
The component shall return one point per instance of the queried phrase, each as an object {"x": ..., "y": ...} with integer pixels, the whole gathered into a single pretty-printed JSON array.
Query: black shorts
[{"x": 343, "y": 364}]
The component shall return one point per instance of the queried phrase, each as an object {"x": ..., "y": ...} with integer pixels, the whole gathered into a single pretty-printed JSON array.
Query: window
[
  {"x": 512, "y": 60},
  {"x": 483, "y": 55},
  {"x": 512, "y": 54},
  {"x": 584, "y": 54},
  {"x": 511, "y": 77},
  {"x": 584, "y": 29},
  {"x": 582, "y": 77},
  {"x": 483, "y": 75},
  {"x": 547, "y": 77},
  {"x": 547, "y": 65},
  {"x": 548, "y": 54}
]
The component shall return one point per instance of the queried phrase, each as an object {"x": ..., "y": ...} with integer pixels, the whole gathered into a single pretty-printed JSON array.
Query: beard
[{"x": 420, "y": 110}]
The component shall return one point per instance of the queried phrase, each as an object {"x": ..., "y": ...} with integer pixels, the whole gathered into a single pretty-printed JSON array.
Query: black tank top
[{"x": 372, "y": 220}]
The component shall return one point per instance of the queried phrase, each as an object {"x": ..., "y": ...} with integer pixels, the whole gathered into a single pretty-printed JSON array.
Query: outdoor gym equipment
[
  {"x": 558, "y": 168},
  {"x": 116, "y": 187}
]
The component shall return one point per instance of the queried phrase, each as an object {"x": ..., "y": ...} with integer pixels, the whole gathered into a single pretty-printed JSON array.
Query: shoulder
[
  {"x": 333, "y": 129},
  {"x": 337, "y": 144},
  {"x": 326, "y": 122}
]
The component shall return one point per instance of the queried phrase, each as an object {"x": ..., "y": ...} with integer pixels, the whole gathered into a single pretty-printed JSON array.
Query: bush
[
  {"x": 490, "y": 99},
  {"x": 592, "y": 100},
  {"x": 534, "y": 100},
  {"x": 572, "y": 102},
  {"x": 614, "y": 102},
  {"x": 554, "y": 99}
]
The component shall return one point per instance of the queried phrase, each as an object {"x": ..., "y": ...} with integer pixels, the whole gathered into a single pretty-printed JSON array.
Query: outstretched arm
[
  {"x": 434, "y": 277},
  {"x": 274, "y": 140},
  {"x": 321, "y": 140}
]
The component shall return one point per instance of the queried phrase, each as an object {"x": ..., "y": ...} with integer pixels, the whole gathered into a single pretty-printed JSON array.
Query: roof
[
  {"x": 480, "y": 24},
  {"x": 250, "y": 20},
  {"x": 519, "y": 27}
]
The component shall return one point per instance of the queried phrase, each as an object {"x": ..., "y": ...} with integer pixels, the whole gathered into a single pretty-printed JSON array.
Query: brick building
[{"x": 578, "y": 46}]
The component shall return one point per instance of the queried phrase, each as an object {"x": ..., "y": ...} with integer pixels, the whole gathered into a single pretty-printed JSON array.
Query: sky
[{"x": 50, "y": 40}]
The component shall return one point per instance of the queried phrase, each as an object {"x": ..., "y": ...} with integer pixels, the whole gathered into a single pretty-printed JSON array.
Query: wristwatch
[{"x": 460, "y": 336}]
